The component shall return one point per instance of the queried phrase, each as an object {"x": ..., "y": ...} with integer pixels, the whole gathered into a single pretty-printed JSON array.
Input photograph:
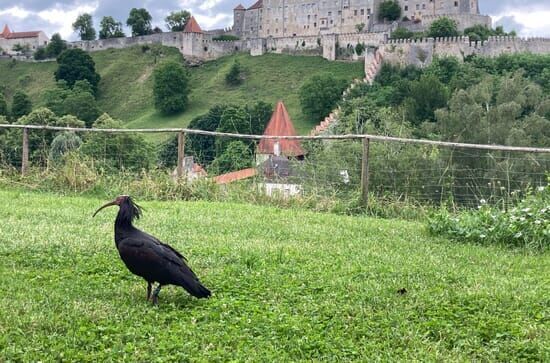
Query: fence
[{"x": 402, "y": 169}]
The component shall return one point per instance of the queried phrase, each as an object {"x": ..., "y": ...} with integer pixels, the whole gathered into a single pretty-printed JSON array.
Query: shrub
[
  {"x": 389, "y": 10},
  {"x": 21, "y": 106},
  {"x": 74, "y": 65},
  {"x": 171, "y": 88},
  {"x": 443, "y": 27},
  {"x": 402, "y": 33},
  {"x": 360, "y": 48},
  {"x": 526, "y": 225},
  {"x": 233, "y": 78},
  {"x": 319, "y": 95}
]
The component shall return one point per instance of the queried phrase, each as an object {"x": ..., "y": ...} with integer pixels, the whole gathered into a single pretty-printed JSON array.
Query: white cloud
[
  {"x": 534, "y": 23},
  {"x": 16, "y": 12},
  {"x": 209, "y": 4},
  {"x": 209, "y": 22},
  {"x": 63, "y": 19}
]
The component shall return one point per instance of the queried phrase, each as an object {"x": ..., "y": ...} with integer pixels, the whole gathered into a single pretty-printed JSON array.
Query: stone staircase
[{"x": 373, "y": 64}]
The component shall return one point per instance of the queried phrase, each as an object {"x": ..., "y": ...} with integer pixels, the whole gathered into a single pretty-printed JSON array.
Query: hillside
[
  {"x": 126, "y": 85},
  {"x": 287, "y": 285}
]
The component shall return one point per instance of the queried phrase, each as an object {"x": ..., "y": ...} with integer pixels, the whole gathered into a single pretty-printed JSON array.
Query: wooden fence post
[
  {"x": 25, "y": 151},
  {"x": 365, "y": 172},
  {"x": 181, "y": 153}
]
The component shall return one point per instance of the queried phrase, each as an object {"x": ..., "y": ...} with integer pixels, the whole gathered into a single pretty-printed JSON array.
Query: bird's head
[{"x": 128, "y": 210}]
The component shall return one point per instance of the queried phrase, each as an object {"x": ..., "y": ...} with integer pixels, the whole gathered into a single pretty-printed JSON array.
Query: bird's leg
[
  {"x": 149, "y": 286},
  {"x": 156, "y": 294}
]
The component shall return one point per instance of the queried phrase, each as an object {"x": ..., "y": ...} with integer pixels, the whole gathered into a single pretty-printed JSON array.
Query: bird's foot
[
  {"x": 156, "y": 295},
  {"x": 149, "y": 287}
]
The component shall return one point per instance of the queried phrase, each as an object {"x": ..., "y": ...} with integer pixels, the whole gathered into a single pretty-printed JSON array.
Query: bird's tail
[{"x": 198, "y": 290}]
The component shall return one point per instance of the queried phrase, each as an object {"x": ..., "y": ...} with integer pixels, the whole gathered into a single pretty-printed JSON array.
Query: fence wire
[{"x": 397, "y": 170}]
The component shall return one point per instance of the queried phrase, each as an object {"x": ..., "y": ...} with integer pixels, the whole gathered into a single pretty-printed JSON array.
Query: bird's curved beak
[{"x": 114, "y": 202}]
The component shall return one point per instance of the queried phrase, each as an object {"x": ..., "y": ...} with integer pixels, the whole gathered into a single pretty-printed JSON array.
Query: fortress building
[
  {"x": 286, "y": 18},
  {"x": 30, "y": 41}
]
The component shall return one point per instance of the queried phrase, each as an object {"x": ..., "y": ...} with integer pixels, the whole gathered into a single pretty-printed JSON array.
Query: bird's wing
[{"x": 154, "y": 239}]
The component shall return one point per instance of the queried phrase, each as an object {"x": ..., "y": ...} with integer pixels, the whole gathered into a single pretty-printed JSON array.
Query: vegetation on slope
[
  {"x": 325, "y": 288},
  {"x": 125, "y": 90}
]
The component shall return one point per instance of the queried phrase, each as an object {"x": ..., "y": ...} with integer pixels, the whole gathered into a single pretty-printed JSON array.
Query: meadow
[
  {"x": 125, "y": 90},
  {"x": 288, "y": 285}
]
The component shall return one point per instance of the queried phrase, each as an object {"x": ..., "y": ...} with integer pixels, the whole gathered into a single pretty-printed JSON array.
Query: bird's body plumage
[{"x": 151, "y": 259}]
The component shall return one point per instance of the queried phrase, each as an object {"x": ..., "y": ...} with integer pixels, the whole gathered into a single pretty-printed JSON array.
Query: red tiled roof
[
  {"x": 280, "y": 125},
  {"x": 240, "y": 7},
  {"x": 192, "y": 26},
  {"x": 22, "y": 35},
  {"x": 234, "y": 176},
  {"x": 6, "y": 32},
  {"x": 259, "y": 4}
]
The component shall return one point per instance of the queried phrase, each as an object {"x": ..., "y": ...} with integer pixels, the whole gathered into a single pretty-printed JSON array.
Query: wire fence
[{"x": 340, "y": 166}]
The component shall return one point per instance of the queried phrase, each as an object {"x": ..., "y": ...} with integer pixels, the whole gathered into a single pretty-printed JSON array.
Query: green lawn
[
  {"x": 126, "y": 83},
  {"x": 287, "y": 285}
]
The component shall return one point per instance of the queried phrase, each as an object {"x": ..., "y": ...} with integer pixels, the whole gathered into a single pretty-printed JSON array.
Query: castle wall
[
  {"x": 463, "y": 20},
  {"x": 421, "y": 52}
]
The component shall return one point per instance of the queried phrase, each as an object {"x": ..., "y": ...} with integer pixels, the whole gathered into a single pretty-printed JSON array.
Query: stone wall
[
  {"x": 421, "y": 52},
  {"x": 463, "y": 21}
]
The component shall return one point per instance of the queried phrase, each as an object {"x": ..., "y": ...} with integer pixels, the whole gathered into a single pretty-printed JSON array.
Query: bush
[
  {"x": 402, "y": 33},
  {"x": 171, "y": 88},
  {"x": 389, "y": 10},
  {"x": 233, "y": 78},
  {"x": 74, "y": 65},
  {"x": 527, "y": 225},
  {"x": 21, "y": 106},
  {"x": 360, "y": 49},
  {"x": 443, "y": 27},
  {"x": 320, "y": 94}
]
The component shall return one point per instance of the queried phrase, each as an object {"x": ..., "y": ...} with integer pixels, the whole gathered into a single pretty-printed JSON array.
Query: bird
[{"x": 148, "y": 257}]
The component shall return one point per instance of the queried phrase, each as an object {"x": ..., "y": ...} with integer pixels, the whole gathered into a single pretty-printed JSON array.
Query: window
[
  {"x": 330, "y": 13},
  {"x": 355, "y": 12},
  {"x": 417, "y": 6},
  {"x": 456, "y": 4},
  {"x": 315, "y": 25},
  {"x": 368, "y": 11},
  {"x": 406, "y": 7},
  {"x": 339, "y": 12},
  {"x": 362, "y": 11},
  {"x": 423, "y": 6}
]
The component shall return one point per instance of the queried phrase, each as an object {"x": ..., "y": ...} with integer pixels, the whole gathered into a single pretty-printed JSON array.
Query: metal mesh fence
[{"x": 390, "y": 169}]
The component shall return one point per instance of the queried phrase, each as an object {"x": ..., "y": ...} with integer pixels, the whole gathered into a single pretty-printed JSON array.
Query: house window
[
  {"x": 406, "y": 7},
  {"x": 362, "y": 11},
  {"x": 368, "y": 11},
  {"x": 423, "y": 6},
  {"x": 355, "y": 12},
  {"x": 315, "y": 25},
  {"x": 456, "y": 4},
  {"x": 417, "y": 6},
  {"x": 330, "y": 13}
]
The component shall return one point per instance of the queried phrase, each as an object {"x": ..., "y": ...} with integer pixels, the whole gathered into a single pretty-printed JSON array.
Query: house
[
  {"x": 13, "y": 43},
  {"x": 191, "y": 170}
]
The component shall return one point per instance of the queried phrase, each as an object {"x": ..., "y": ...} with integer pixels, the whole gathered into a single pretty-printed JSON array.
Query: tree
[
  {"x": 319, "y": 95},
  {"x": 426, "y": 96},
  {"x": 171, "y": 87},
  {"x": 63, "y": 144},
  {"x": 236, "y": 156},
  {"x": 110, "y": 28},
  {"x": 75, "y": 64},
  {"x": 233, "y": 77},
  {"x": 40, "y": 54},
  {"x": 83, "y": 105},
  {"x": 443, "y": 27},
  {"x": 21, "y": 105},
  {"x": 389, "y": 10},
  {"x": 56, "y": 46},
  {"x": 360, "y": 27},
  {"x": 401, "y": 33},
  {"x": 140, "y": 22},
  {"x": 177, "y": 20},
  {"x": 84, "y": 25},
  {"x": 3, "y": 105}
]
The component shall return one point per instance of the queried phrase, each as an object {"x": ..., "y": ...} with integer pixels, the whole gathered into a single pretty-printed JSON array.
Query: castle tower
[
  {"x": 238, "y": 20},
  {"x": 6, "y": 32}
]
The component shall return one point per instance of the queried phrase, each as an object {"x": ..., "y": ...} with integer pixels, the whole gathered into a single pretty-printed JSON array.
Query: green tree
[
  {"x": 320, "y": 94},
  {"x": 56, "y": 46},
  {"x": 426, "y": 96},
  {"x": 389, "y": 10},
  {"x": 117, "y": 152},
  {"x": 401, "y": 33},
  {"x": 63, "y": 144},
  {"x": 171, "y": 87},
  {"x": 443, "y": 27},
  {"x": 83, "y": 105},
  {"x": 39, "y": 140},
  {"x": 236, "y": 156},
  {"x": 75, "y": 64},
  {"x": 84, "y": 26},
  {"x": 21, "y": 105},
  {"x": 40, "y": 54},
  {"x": 140, "y": 22},
  {"x": 3, "y": 105},
  {"x": 233, "y": 77},
  {"x": 177, "y": 20},
  {"x": 110, "y": 28}
]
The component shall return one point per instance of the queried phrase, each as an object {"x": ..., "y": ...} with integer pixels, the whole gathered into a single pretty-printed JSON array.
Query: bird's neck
[{"x": 123, "y": 227}]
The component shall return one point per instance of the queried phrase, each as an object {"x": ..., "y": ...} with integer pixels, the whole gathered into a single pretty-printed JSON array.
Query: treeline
[{"x": 503, "y": 100}]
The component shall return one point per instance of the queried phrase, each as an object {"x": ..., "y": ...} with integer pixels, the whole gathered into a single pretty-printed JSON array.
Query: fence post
[
  {"x": 181, "y": 153},
  {"x": 25, "y": 156},
  {"x": 365, "y": 172}
]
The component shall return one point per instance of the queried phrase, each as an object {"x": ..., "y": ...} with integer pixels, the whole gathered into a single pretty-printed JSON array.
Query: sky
[{"x": 527, "y": 17}]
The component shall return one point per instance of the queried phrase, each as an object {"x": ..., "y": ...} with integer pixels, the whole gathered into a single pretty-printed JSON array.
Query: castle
[
  {"x": 283, "y": 18},
  {"x": 25, "y": 41}
]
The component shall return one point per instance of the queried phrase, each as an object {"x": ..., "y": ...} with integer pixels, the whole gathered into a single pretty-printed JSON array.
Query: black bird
[{"x": 146, "y": 256}]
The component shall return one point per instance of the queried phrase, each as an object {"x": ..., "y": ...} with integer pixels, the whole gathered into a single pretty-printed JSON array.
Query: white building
[{"x": 28, "y": 42}]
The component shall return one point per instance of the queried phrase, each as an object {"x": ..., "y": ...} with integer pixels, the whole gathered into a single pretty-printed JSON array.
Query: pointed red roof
[
  {"x": 240, "y": 7},
  {"x": 280, "y": 125},
  {"x": 259, "y": 4},
  {"x": 6, "y": 32},
  {"x": 192, "y": 26}
]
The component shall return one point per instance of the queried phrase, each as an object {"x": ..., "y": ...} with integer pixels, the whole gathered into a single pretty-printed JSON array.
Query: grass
[
  {"x": 126, "y": 85},
  {"x": 322, "y": 289}
]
